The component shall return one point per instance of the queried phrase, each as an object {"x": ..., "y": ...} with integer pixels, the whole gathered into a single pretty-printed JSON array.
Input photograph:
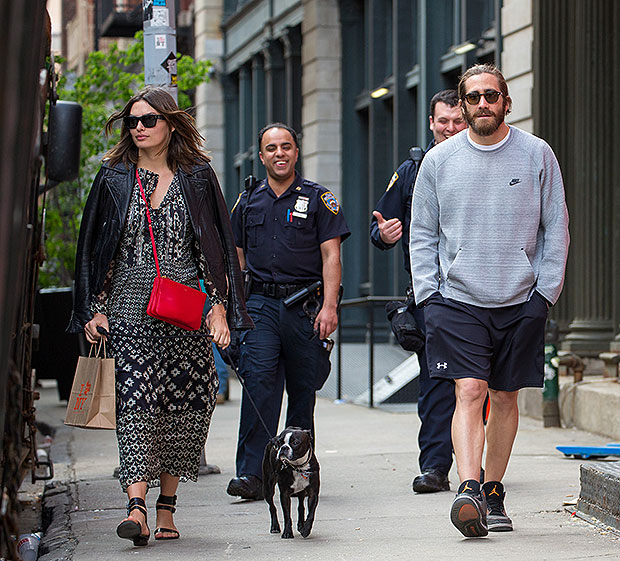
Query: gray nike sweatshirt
[{"x": 489, "y": 227}]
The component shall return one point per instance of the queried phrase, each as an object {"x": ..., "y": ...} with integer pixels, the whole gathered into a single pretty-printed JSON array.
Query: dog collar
[
  {"x": 305, "y": 473},
  {"x": 300, "y": 464}
]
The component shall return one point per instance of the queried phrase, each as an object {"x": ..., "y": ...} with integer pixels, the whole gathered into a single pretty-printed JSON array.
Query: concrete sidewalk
[{"x": 366, "y": 509}]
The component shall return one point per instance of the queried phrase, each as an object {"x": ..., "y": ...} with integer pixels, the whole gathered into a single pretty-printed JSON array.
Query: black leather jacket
[{"x": 103, "y": 220}]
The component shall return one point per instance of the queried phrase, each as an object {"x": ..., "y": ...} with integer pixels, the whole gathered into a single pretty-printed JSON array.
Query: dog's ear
[{"x": 309, "y": 433}]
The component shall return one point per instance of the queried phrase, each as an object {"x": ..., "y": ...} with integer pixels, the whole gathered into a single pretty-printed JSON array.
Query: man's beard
[{"x": 486, "y": 127}]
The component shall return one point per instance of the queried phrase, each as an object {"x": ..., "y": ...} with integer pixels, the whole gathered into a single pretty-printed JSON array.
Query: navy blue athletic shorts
[{"x": 503, "y": 346}]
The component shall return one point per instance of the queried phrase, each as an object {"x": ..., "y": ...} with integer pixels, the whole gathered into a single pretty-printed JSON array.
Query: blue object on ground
[{"x": 590, "y": 452}]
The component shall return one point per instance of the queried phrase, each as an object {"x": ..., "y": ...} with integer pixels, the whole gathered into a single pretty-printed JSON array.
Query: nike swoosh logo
[{"x": 514, "y": 181}]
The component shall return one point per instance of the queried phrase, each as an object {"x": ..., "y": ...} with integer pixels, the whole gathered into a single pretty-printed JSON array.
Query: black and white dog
[{"x": 290, "y": 462}]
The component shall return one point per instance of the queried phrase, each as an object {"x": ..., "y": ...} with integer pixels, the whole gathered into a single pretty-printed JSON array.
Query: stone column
[
  {"x": 274, "y": 81},
  {"x": 230, "y": 90},
  {"x": 293, "y": 72},
  {"x": 210, "y": 96},
  {"x": 245, "y": 120},
  {"x": 615, "y": 181},
  {"x": 592, "y": 221},
  {"x": 516, "y": 61},
  {"x": 321, "y": 112},
  {"x": 258, "y": 110}
]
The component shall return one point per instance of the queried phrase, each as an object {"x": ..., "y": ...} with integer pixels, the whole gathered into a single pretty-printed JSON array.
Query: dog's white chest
[{"x": 300, "y": 481}]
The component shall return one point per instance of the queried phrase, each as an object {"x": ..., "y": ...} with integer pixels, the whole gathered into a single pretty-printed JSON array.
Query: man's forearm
[
  {"x": 332, "y": 275},
  {"x": 331, "y": 272}
]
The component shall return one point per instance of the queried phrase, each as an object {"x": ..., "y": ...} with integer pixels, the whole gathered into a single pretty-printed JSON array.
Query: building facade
[{"x": 355, "y": 77}]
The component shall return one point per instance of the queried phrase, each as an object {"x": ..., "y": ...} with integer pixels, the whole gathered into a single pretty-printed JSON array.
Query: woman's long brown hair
[{"x": 184, "y": 142}]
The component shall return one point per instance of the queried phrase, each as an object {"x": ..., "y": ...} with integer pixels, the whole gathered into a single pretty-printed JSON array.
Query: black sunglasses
[
  {"x": 491, "y": 96},
  {"x": 149, "y": 121}
]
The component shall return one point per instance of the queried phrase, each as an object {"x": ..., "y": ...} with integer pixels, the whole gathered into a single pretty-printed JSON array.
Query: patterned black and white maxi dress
[{"x": 166, "y": 382}]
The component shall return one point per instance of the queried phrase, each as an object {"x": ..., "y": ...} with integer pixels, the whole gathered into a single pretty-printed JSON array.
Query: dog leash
[{"x": 235, "y": 368}]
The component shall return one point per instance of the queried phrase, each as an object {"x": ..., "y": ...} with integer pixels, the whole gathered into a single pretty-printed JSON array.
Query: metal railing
[{"x": 369, "y": 303}]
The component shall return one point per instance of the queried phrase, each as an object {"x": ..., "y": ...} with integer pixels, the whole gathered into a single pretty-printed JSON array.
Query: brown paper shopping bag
[{"x": 92, "y": 403}]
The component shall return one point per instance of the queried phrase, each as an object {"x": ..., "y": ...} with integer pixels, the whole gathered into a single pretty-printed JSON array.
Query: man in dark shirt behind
[
  {"x": 293, "y": 231},
  {"x": 389, "y": 224}
]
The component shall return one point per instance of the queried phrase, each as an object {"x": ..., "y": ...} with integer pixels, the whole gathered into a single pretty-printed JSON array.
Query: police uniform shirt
[
  {"x": 284, "y": 233},
  {"x": 396, "y": 203}
]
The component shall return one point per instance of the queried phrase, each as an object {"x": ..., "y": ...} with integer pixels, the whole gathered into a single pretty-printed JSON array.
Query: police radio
[
  {"x": 416, "y": 154},
  {"x": 250, "y": 183}
]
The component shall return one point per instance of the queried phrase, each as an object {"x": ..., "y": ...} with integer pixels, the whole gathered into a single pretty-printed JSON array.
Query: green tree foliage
[{"x": 109, "y": 80}]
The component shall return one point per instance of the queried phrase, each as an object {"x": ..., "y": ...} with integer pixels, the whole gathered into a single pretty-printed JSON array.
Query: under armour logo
[
  {"x": 442, "y": 365},
  {"x": 514, "y": 181},
  {"x": 494, "y": 492}
]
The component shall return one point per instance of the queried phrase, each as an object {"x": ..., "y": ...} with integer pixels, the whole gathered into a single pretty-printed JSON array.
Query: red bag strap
[{"x": 148, "y": 217}]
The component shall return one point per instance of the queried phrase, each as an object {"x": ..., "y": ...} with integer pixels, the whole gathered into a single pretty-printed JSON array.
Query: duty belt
[{"x": 274, "y": 290}]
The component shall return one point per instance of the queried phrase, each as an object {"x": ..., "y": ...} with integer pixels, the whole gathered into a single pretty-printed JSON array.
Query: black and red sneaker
[{"x": 469, "y": 510}]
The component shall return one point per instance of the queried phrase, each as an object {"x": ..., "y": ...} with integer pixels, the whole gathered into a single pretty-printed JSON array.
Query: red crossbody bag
[{"x": 172, "y": 301}]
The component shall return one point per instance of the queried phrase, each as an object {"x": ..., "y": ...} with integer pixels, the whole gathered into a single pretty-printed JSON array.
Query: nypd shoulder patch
[{"x": 330, "y": 201}]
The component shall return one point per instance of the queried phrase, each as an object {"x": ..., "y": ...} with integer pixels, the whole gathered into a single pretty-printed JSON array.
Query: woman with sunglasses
[{"x": 166, "y": 382}]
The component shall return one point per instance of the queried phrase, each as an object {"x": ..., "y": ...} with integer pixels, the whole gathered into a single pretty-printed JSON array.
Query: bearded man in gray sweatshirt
[{"x": 488, "y": 248}]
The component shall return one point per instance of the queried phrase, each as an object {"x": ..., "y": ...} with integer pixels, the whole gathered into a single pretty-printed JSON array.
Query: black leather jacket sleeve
[{"x": 82, "y": 280}]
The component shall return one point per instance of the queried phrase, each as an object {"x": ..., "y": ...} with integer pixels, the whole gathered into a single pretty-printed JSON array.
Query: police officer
[
  {"x": 293, "y": 231},
  {"x": 390, "y": 223}
]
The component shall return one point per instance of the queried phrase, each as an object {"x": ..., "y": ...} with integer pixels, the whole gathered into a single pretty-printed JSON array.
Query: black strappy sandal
[
  {"x": 165, "y": 502},
  {"x": 130, "y": 529}
]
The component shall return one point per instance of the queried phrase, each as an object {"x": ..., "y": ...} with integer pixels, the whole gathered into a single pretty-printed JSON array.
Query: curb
[
  {"x": 599, "y": 496},
  {"x": 58, "y": 542}
]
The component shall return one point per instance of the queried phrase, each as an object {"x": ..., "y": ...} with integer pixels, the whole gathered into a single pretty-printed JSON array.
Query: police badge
[{"x": 301, "y": 206}]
